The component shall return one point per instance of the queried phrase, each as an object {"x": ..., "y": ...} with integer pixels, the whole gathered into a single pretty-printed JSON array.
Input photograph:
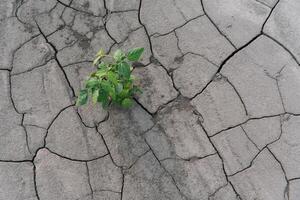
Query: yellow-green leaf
[
  {"x": 100, "y": 53},
  {"x": 119, "y": 55},
  {"x": 95, "y": 95}
]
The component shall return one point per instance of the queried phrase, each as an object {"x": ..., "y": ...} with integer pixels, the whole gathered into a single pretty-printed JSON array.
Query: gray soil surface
[{"x": 219, "y": 118}]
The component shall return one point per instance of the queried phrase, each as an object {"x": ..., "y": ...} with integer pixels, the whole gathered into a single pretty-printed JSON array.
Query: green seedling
[{"x": 112, "y": 82}]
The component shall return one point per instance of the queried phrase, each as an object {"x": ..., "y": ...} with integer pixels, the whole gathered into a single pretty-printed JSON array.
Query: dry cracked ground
[{"x": 219, "y": 118}]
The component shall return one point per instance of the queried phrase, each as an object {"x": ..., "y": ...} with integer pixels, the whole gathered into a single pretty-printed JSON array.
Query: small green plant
[{"x": 112, "y": 82}]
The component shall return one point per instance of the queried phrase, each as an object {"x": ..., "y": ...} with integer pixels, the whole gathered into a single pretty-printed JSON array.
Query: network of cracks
[{"x": 218, "y": 118}]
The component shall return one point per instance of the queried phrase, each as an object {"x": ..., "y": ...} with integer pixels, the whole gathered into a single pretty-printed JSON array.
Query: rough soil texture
[{"x": 219, "y": 118}]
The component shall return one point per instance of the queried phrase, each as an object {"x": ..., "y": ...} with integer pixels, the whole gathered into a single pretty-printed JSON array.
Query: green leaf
[
  {"x": 101, "y": 72},
  {"x": 135, "y": 54},
  {"x": 113, "y": 77},
  {"x": 107, "y": 87},
  {"x": 124, "y": 70},
  {"x": 127, "y": 103},
  {"x": 119, "y": 55},
  {"x": 113, "y": 81},
  {"x": 92, "y": 83},
  {"x": 124, "y": 93},
  {"x": 102, "y": 96},
  {"x": 119, "y": 88},
  {"x": 102, "y": 65},
  {"x": 82, "y": 98}
]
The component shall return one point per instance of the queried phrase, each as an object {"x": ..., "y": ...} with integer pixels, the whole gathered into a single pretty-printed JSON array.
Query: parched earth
[{"x": 219, "y": 118}]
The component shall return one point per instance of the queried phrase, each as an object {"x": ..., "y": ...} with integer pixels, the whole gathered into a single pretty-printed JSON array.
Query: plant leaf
[
  {"x": 135, "y": 54},
  {"x": 91, "y": 83},
  {"x": 105, "y": 85},
  {"x": 111, "y": 76},
  {"x": 132, "y": 77},
  {"x": 112, "y": 82},
  {"x": 82, "y": 98},
  {"x": 109, "y": 88},
  {"x": 127, "y": 103},
  {"x": 101, "y": 72},
  {"x": 95, "y": 61},
  {"x": 124, "y": 70},
  {"x": 103, "y": 98},
  {"x": 119, "y": 88},
  {"x": 102, "y": 65},
  {"x": 119, "y": 55},
  {"x": 95, "y": 95},
  {"x": 124, "y": 93},
  {"x": 100, "y": 54},
  {"x": 102, "y": 95}
]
